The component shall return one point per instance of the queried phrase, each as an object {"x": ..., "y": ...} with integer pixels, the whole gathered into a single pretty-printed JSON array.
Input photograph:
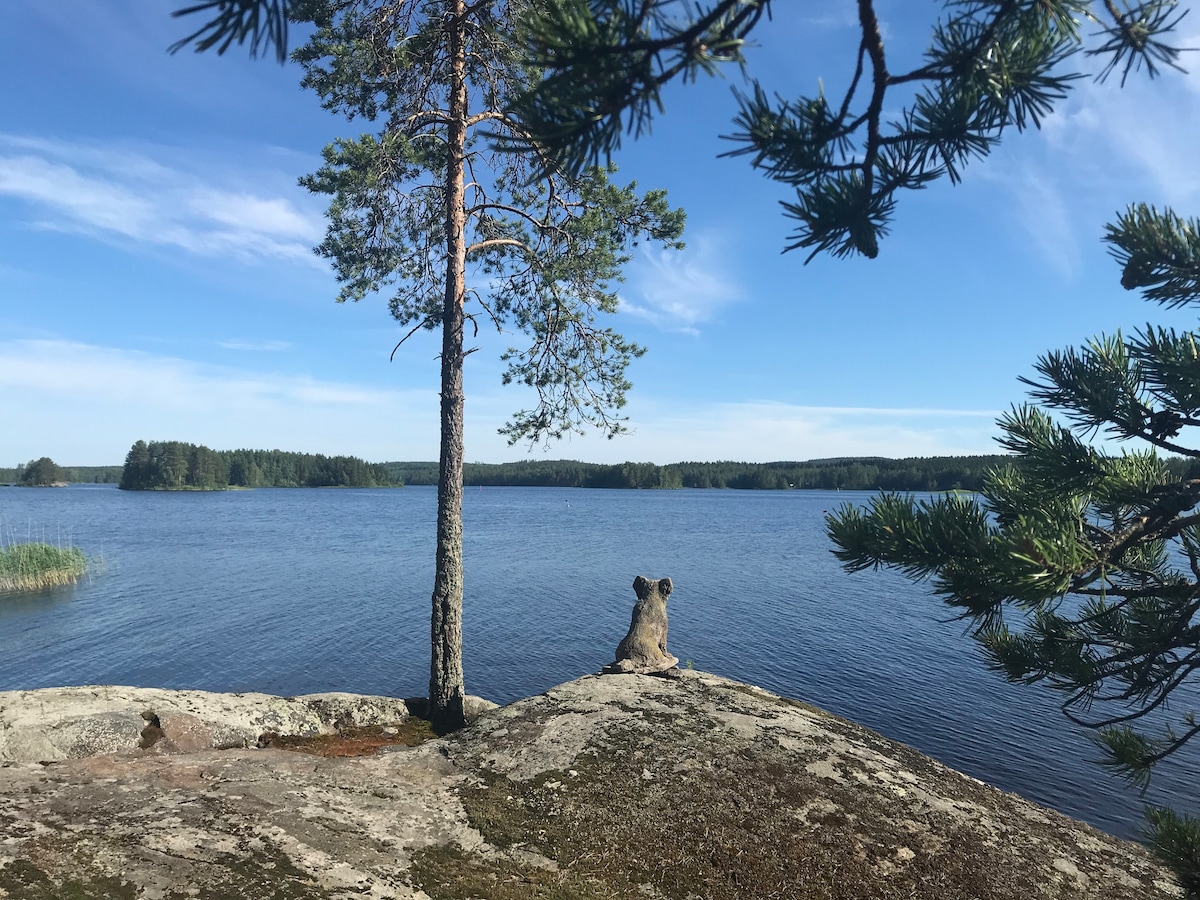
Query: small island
[
  {"x": 43, "y": 472},
  {"x": 179, "y": 466}
]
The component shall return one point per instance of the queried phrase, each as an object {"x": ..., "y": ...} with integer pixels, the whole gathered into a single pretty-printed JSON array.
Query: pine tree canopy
[
  {"x": 991, "y": 65},
  {"x": 1078, "y": 566},
  {"x": 42, "y": 472},
  {"x": 542, "y": 254}
]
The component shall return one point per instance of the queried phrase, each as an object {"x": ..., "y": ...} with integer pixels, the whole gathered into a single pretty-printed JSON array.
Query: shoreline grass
[{"x": 37, "y": 566}]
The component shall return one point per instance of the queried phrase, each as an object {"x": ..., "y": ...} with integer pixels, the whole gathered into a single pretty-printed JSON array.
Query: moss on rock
[{"x": 615, "y": 787}]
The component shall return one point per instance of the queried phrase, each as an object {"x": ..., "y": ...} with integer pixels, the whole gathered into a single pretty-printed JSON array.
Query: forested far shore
[
  {"x": 175, "y": 465},
  {"x": 275, "y": 468},
  {"x": 70, "y": 474},
  {"x": 939, "y": 473},
  {"x": 864, "y": 473}
]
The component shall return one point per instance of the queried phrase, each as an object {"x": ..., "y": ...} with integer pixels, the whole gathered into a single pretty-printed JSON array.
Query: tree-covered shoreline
[
  {"x": 179, "y": 466},
  {"x": 70, "y": 474},
  {"x": 857, "y": 473},
  {"x": 939, "y": 473},
  {"x": 866, "y": 473}
]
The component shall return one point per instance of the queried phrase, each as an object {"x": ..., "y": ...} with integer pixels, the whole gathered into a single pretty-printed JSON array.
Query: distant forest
[
  {"x": 174, "y": 465},
  {"x": 274, "y": 468},
  {"x": 71, "y": 474},
  {"x": 938, "y": 473}
]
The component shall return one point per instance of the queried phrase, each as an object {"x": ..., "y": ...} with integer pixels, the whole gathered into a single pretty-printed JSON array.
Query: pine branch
[
  {"x": 992, "y": 66},
  {"x": 1132, "y": 38},
  {"x": 261, "y": 23},
  {"x": 1159, "y": 254}
]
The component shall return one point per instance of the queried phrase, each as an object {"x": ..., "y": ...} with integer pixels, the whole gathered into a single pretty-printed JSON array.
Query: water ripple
[{"x": 296, "y": 591}]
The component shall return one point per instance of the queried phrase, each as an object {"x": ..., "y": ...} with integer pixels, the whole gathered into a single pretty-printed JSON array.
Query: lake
[{"x": 293, "y": 591}]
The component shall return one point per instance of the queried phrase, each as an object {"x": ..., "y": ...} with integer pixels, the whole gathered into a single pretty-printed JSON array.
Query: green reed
[{"x": 37, "y": 566}]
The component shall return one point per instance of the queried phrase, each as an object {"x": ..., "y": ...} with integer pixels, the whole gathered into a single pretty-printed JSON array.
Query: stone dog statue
[{"x": 644, "y": 648}]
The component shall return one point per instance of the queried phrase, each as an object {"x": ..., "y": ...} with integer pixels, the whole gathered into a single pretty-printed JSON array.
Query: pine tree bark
[{"x": 446, "y": 687}]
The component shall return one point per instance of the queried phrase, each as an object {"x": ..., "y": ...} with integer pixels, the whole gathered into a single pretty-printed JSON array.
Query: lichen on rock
[{"x": 636, "y": 786}]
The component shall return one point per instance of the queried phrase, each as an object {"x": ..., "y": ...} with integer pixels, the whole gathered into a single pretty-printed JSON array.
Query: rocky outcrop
[
  {"x": 68, "y": 723},
  {"x": 602, "y": 787}
]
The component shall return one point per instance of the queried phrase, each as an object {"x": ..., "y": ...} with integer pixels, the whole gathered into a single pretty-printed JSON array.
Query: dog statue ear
[
  {"x": 666, "y": 587},
  {"x": 639, "y": 584}
]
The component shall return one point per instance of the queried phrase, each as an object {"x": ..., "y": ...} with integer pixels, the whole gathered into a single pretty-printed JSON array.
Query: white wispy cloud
[
  {"x": 1191, "y": 78},
  {"x": 1142, "y": 137},
  {"x": 834, "y": 15},
  {"x": 1042, "y": 207},
  {"x": 273, "y": 216},
  {"x": 86, "y": 404},
  {"x": 681, "y": 290},
  {"x": 125, "y": 195},
  {"x": 900, "y": 412},
  {"x": 841, "y": 16},
  {"x": 1105, "y": 147},
  {"x": 766, "y": 431},
  {"x": 267, "y": 346},
  {"x": 762, "y": 431}
]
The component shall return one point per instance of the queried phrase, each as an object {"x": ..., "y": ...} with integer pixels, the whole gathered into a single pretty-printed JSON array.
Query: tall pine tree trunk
[{"x": 446, "y": 687}]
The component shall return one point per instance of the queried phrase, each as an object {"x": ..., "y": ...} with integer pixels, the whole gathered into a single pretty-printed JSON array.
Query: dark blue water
[{"x": 297, "y": 591}]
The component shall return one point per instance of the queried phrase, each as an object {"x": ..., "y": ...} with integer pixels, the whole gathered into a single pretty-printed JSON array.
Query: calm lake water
[{"x": 295, "y": 591}]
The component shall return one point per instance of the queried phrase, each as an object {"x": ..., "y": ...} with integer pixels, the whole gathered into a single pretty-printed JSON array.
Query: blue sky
[{"x": 157, "y": 282}]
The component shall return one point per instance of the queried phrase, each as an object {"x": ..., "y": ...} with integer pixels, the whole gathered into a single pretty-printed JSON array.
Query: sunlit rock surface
[{"x": 631, "y": 786}]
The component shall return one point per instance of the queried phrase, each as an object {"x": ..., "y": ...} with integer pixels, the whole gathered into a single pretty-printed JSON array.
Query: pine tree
[
  {"x": 1099, "y": 554},
  {"x": 455, "y": 236},
  {"x": 42, "y": 472},
  {"x": 1079, "y": 567}
]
